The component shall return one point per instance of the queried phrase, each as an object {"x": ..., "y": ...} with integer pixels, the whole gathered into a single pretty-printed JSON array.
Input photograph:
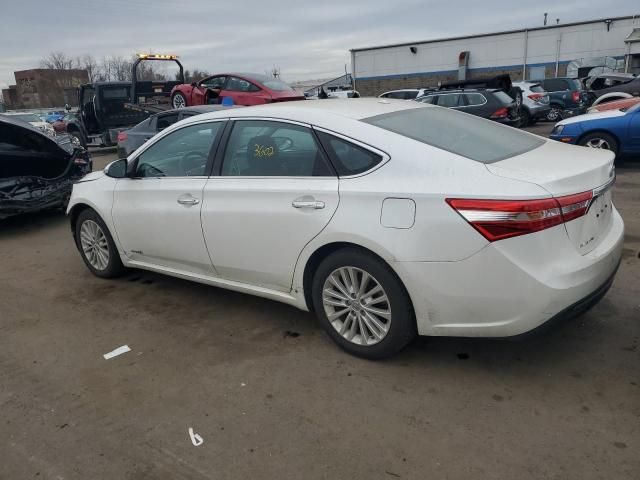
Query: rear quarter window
[
  {"x": 348, "y": 158},
  {"x": 471, "y": 137}
]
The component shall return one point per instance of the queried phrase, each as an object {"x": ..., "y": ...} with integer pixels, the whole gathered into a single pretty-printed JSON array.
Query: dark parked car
[
  {"x": 612, "y": 83},
  {"x": 132, "y": 139},
  {"x": 36, "y": 170},
  {"x": 566, "y": 97},
  {"x": 493, "y": 104}
]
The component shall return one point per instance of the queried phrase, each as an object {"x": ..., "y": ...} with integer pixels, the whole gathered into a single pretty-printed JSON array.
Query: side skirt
[{"x": 296, "y": 300}]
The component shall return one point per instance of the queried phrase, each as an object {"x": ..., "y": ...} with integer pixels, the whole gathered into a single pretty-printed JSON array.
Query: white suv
[{"x": 535, "y": 102}]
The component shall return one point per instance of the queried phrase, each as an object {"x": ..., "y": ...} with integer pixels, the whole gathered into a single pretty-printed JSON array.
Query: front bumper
[{"x": 510, "y": 287}]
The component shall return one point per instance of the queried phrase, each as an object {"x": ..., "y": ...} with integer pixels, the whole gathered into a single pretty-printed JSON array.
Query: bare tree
[
  {"x": 59, "y": 61},
  {"x": 90, "y": 64}
]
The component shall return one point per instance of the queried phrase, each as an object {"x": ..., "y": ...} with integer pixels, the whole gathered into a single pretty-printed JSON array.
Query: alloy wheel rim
[
  {"x": 357, "y": 306},
  {"x": 94, "y": 245},
  {"x": 553, "y": 114},
  {"x": 599, "y": 143},
  {"x": 178, "y": 101}
]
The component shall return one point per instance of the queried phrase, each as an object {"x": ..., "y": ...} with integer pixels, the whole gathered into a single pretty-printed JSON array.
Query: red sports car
[{"x": 242, "y": 88}]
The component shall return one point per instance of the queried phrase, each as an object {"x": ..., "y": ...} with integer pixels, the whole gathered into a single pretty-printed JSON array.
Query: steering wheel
[{"x": 192, "y": 161}]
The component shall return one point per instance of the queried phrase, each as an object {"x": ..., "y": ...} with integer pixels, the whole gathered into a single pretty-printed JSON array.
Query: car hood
[{"x": 592, "y": 116}]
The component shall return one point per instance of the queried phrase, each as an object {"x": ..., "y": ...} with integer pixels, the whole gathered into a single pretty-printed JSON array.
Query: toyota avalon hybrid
[{"x": 388, "y": 219}]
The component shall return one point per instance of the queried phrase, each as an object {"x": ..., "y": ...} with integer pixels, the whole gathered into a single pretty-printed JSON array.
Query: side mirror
[
  {"x": 116, "y": 169},
  {"x": 194, "y": 84}
]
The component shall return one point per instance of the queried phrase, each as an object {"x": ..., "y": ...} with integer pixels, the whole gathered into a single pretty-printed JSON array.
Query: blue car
[
  {"x": 53, "y": 116},
  {"x": 615, "y": 130}
]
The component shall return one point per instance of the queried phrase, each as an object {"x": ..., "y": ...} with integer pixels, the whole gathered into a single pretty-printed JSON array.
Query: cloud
[{"x": 305, "y": 39}]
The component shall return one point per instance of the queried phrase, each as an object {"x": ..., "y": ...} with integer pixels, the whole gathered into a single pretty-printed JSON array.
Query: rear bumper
[
  {"x": 538, "y": 111},
  {"x": 512, "y": 286},
  {"x": 573, "y": 111}
]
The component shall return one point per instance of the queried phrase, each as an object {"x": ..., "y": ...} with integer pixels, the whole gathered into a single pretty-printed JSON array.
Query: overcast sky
[{"x": 306, "y": 39}]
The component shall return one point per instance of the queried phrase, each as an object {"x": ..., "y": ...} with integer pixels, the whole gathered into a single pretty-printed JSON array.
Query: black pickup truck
[{"x": 107, "y": 108}]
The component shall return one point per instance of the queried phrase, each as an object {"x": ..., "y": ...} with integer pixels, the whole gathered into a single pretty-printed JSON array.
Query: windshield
[
  {"x": 472, "y": 137},
  {"x": 27, "y": 117},
  {"x": 536, "y": 89}
]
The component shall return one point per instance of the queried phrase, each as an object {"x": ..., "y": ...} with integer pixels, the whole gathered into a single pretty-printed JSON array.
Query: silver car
[{"x": 535, "y": 102}]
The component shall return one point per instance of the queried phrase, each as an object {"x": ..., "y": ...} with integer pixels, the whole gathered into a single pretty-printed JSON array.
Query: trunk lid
[{"x": 565, "y": 170}]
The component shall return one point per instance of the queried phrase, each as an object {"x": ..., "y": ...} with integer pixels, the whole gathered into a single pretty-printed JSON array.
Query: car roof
[{"x": 316, "y": 112}]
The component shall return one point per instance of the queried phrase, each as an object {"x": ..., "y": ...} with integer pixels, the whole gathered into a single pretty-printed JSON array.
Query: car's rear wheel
[
  {"x": 178, "y": 100},
  {"x": 96, "y": 245},
  {"x": 554, "y": 114},
  {"x": 362, "y": 304},
  {"x": 600, "y": 140},
  {"x": 525, "y": 118}
]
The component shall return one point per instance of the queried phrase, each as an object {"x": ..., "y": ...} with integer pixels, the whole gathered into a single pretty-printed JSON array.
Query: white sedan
[{"x": 386, "y": 218}]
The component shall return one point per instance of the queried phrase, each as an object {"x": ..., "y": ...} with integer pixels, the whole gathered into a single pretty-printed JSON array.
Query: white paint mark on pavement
[
  {"x": 116, "y": 352},
  {"x": 195, "y": 438}
]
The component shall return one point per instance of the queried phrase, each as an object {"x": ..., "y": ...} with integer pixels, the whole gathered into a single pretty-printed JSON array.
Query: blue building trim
[{"x": 476, "y": 70}]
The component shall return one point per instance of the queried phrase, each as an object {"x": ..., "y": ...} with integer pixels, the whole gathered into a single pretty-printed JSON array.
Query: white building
[{"x": 527, "y": 53}]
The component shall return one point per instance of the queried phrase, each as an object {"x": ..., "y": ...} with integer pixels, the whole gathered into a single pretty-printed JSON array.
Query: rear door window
[
  {"x": 265, "y": 148},
  {"x": 450, "y": 100}
]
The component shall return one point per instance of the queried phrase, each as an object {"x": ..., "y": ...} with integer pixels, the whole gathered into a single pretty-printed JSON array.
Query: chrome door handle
[
  {"x": 315, "y": 204},
  {"x": 188, "y": 201}
]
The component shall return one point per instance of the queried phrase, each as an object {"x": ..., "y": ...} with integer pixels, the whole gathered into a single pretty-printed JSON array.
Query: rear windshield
[
  {"x": 472, "y": 137},
  {"x": 277, "y": 85},
  {"x": 536, "y": 89},
  {"x": 503, "y": 97}
]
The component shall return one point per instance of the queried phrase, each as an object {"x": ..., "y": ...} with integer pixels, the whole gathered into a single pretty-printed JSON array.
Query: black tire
[
  {"x": 114, "y": 267},
  {"x": 525, "y": 118},
  {"x": 532, "y": 121},
  {"x": 76, "y": 134},
  {"x": 402, "y": 326},
  {"x": 590, "y": 139},
  {"x": 175, "y": 96}
]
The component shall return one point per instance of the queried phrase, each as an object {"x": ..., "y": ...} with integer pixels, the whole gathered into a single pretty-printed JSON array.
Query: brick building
[
  {"x": 43, "y": 88},
  {"x": 533, "y": 53}
]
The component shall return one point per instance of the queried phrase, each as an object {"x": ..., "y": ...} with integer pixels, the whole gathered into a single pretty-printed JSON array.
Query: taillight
[
  {"x": 80, "y": 161},
  {"x": 536, "y": 97},
  {"x": 500, "y": 113},
  {"x": 574, "y": 206},
  {"x": 575, "y": 96},
  {"x": 500, "y": 219},
  {"x": 122, "y": 136}
]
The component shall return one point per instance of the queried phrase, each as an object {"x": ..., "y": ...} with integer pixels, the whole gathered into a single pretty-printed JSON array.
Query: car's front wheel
[
  {"x": 600, "y": 140},
  {"x": 362, "y": 304},
  {"x": 178, "y": 100},
  {"x": 96, "y": 245}
]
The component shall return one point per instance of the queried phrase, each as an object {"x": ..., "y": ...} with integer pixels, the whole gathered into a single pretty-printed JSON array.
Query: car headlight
[{"x": 557, "y": 130}]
